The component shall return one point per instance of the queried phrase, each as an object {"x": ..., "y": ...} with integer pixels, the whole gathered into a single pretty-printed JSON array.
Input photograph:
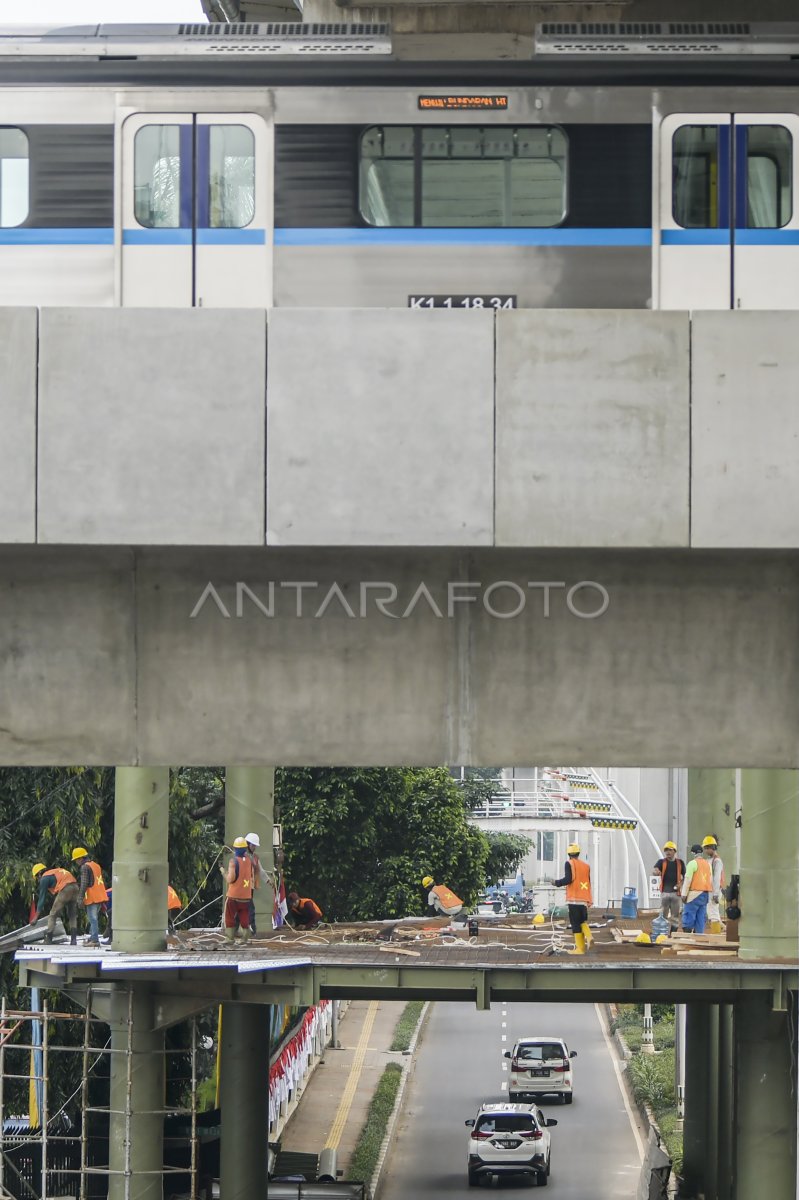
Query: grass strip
[
  {"x": 406, "y": 1025},
  {"x": 367, "y": 1149},
  {"x": 652, "y": 1076}
]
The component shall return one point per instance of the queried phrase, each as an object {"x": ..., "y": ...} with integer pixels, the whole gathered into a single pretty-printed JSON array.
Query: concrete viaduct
[{"x": 346, "y": 537}]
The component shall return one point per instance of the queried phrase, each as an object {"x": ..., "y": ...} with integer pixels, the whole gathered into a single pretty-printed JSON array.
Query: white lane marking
[
  {"x": 617, "y": 1069},
  {"x": 504, "y": 1086},
  {"x": 504, "y": 1024},
  {"x": 504, "y": 1037},
  {"x": 504, "y": 1066}
]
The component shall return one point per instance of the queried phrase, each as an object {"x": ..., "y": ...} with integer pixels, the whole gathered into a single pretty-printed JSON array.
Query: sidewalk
[{"x": 332, "y": 1109}]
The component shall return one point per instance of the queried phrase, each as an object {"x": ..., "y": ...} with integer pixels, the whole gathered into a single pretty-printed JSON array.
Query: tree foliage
[
  {"x": 360, "y": 841},
  {"x": 506, "y": 852}
]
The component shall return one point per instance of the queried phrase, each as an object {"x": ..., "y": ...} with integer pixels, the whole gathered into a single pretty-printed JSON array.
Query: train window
[
  {"x": 695, "y": 157},
  {"x": 231, "y": 177},
  {"x": 769, "y": 202},
  {"x": 462, "y": 175},
  {"x": 13, "y": 177},
  {"x": 156, "y": 171},
  {"x": 386, "y": 175}
]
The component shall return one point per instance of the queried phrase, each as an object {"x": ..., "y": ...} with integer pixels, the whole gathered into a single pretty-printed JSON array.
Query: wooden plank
[
  {"x": 400, "y": 950},
  {"x": 703, "y": 954}
]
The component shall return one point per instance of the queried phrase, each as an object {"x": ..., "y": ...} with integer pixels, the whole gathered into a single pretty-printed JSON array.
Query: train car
[{"x": 261, "y": 165}]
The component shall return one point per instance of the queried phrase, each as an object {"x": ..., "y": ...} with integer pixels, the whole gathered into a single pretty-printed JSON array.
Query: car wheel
[
  {"x": 542, "y": 1180},
  {"x": 549, "y": 1166},
  {"x": 474, "y": 1179},
  {"x": 567, "y": 1099}
]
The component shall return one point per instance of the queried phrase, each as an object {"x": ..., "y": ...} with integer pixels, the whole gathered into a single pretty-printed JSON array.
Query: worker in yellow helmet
[
  {"x": 63, "y": 887},
  {"x": 238, "y": 877},
  {"x": 710, "y": 848},
  {"x": 441, "y": 898},
  {"x": 671, "y": 870},
  {"x": 577, "y": 882}
]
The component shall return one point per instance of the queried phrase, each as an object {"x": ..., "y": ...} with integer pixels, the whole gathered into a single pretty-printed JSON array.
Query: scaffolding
[{"x": 41, "y": 1158}]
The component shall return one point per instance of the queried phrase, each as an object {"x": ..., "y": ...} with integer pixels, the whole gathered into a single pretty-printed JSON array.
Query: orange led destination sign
[{"x": 450, "y": 102}]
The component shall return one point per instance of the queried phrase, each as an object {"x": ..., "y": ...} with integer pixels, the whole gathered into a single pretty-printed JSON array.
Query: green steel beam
[
  {"x": 726, "y": 1127},
  {"x": 711, "y": 809},
  {"x": 711, "y": 1049},
  {"x": 696, "y": 1141},
  {"x": 250, "y": 807},
  {"x": 136, "y": 1143}
]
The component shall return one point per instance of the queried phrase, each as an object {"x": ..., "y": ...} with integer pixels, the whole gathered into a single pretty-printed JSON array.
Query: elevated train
[{"x": 256, "y": 165}]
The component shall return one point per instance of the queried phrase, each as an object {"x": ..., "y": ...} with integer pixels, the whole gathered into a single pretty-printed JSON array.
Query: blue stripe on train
[
  {"x": 56, "y": 237},
  {"x": 471, "y": 237},
  {"x": 721, "y": 237}
]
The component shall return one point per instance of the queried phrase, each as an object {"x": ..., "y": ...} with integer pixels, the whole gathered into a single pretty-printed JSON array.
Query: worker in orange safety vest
[
  {"x": 92, "y": 891},
  {"x": 63, "y": 887},
  {"x": 696, "y": 889},
  {"x": 441, "y": 898},
  {"x": 239, "y": 892},
  {"x": 577, "y": 881}
]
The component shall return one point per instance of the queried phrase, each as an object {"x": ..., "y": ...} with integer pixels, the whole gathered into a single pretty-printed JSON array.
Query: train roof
[{"x": 259, "y": 54}]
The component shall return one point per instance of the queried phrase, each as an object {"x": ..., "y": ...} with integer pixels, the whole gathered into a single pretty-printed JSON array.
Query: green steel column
[
  {"x": 141, "y": 870},
  {"x": 726, "y": 1118},
  {"x": 136, "y": 1144},
  {"x": 712, "y": 1061},
  {"x": 140, "y": 876},
  {"x": 765, "y": 1138},
  {"x": 244, "y": 1100},
  {"x": 244, "y": 1044},
  {"x": 769, "y": 864},
  {"x": 697, "y": 1093},
  {"x": 711, "y": 809},
  {"x": 250, "y": 808}
]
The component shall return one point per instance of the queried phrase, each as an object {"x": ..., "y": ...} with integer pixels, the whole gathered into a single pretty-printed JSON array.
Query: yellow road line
[{"x": 348, "y": 1095}]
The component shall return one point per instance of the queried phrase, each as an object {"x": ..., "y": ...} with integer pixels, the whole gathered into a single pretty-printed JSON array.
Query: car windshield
[
  {"x": 540, "y": 1051},
  {"x": 505, "y": 1123}
]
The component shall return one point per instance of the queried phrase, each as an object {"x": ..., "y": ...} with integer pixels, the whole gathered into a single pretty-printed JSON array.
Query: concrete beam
[{"x": 689, "y": 647}]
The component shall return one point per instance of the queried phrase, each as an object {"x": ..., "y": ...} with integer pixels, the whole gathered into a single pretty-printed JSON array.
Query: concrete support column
[
  {"x": 765, "y": 1121},
  {"x": 711, "y": 809},
  {"x": 769, "y": 863},
  {"x": 244, "y": 1100},
  {"x": 726, "y": 1106},
  {"x": 250, "y": 808},
  {"x": 136, "y": 1146},
  {"x": 697, "y": 1097},
  {"x": 141, "y": 869}
]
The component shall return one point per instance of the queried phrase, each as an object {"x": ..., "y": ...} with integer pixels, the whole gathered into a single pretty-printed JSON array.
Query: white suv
[
  {"x": 509, "y": 1139},
  {"x": 541, "y": 1066}
]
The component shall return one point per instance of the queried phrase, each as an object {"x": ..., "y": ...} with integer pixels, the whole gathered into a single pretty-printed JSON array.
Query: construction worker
[
  {"x": 577, "y": 881},
  {"x": 92, "y": 890},
  {"x": 304, "y": 912},
  {"x": 671, "y": 870},
  {"x": 173, "y": 906},
  {"x": 63, "y": 887},
  {"x": 239, "y": 892},
  {"x": 258, "y": 873},
  {"x": 710, "y": 848},
  {"x": 696, "y": 889},
  {"x": 441, "y": 898}
]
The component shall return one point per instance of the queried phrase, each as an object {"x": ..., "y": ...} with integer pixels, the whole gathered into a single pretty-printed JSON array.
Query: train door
[
  {"x": 727, "y": 214},
  {"x": 196, "y": 210}
]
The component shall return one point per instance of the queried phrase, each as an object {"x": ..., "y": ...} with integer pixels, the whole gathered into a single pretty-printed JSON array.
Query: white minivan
[{"x": 541, "y": 1066}]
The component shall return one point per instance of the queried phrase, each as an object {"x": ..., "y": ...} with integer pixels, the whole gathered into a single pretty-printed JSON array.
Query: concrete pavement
[{"x": 332, "y": 1109}]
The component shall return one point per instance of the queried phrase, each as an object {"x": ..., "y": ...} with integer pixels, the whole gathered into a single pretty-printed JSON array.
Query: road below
[{"x": 459, "y": 1065}]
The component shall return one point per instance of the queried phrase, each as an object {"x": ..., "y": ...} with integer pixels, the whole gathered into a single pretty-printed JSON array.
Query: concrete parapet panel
[
  {"x": 151, "y": 427},
  {"x": 745, "y": 430},
  {"x": 67, "y": 656},
  {"x": 380, "y": 427},
  {"x": 592, "y": 441},
  {"x": 18, "y": 424}
]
